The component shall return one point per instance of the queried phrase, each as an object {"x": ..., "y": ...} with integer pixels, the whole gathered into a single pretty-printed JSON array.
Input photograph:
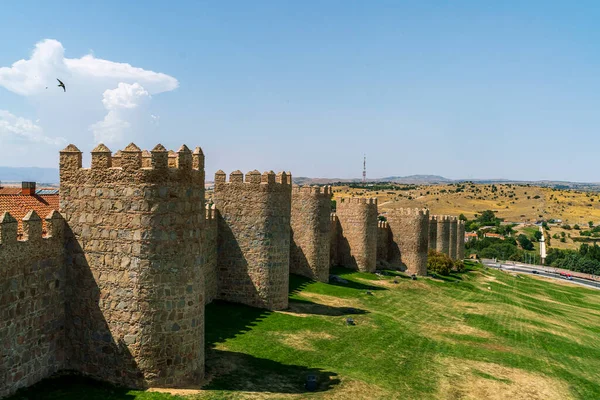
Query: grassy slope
[{"x": 480, "y": 334}]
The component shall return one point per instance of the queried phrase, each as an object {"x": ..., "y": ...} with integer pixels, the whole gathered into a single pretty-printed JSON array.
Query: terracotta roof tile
[{"x": 19, "y": 205}]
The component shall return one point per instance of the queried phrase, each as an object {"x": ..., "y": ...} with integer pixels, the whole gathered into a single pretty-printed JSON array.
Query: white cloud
[
  {"x": 15, "y": 129},
  {"x": 121, "y": 104},
  {"x": 111, "y": 100}
]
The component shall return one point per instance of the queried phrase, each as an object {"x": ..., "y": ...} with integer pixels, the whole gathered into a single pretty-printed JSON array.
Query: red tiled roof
[
  {"x": 10, "y": 190},
  {"x": 19, "y": 205}
]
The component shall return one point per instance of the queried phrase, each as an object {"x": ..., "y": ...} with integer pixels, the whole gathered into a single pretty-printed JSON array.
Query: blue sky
[{"x": 463, "y": 89}]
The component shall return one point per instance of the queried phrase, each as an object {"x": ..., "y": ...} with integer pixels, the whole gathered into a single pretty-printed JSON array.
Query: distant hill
[
  {"x": 417, "y": 179},
  {"x": 33, "y": 174}
]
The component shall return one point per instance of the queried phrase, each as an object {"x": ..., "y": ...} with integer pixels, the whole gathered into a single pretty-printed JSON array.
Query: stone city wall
[
  {"x": 254, "y": 238},
  {"x": 453, "y": 237},
  {"x": 135, "y": 288},
  {"x": 209, "y": 255},
  {"x": 410, "y": 239},
  {"x": 442, "y": 242},
  {"x": 433, "y": 232},
  {"x": 32, "y": 298},
  {"x": 383, "y": 238},
  {"x": 357, "y": 243},
  {"x": 310, "y": 225},
  {"x": 334, "y": 238},
  {"x": 460, "y": 241}
]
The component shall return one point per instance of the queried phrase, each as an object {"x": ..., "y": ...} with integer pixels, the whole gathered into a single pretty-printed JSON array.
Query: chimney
[{"x": 27, "y": 188}]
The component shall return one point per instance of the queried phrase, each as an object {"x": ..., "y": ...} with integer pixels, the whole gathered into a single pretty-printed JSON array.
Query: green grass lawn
[{"x": 479, "y": 334}]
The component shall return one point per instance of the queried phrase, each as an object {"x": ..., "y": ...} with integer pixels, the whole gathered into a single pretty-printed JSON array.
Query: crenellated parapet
[
  {"x": 135, "y": 220},
  {"x": 310, "y": 224},
  {"x": 254, "y": 215},
  {"x": 409, "y": 229},
  {"x": 32, "y": 300},
  {"x": 443, "y": 234},
  {"x": 357, "y": 241},
  {"x": 453, "y": 235},
  {"x": 460, "y": 240}
]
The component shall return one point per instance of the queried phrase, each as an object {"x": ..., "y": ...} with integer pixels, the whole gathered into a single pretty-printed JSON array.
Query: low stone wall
[{"x": 32, "y": 301}]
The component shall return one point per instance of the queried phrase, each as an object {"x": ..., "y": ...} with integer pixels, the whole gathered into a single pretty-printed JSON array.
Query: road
[{"x": 542, "y": 271}]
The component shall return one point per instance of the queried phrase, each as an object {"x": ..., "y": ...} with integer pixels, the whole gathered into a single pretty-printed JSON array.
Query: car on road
[{"x": 534, "y": 272}]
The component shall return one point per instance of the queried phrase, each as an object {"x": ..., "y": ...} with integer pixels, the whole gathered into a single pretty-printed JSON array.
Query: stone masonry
[
  {"x": 116, "y": 290},
  {"x": 442, "y": 242},
  {"x": 433, "y": 232},
  {"x": 254, "y": 238},
  {"x": 357, "y": 243},
  {"x": 135, "y": 289},
  {"x": 452, "y": 237},
  {"x": 460, "y": 241},
  {"x": 410, "y": 239},
  {"x": 32, "y": 298},
  {"x": 310, "y": 240},
  {"x": 383, "y": 239}
]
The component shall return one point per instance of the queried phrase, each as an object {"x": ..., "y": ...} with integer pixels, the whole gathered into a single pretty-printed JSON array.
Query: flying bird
[{"x": 61, "y": 84}]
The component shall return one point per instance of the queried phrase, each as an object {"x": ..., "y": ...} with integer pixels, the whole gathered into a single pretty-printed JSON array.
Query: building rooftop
[{"x": 19, "y": 201}]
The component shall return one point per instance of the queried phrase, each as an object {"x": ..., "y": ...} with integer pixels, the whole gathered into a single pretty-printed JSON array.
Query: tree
[
  {"x": 524, "y": 242},
  {"x": 591, "y": 224},
  {"x": 576, "y": 227},
  {"x": 333, "y": 205},
  {"x": 439, "y": 263},
  {"x": 462, "y": 217},
  {"x": 537, "y": 235},
  {"x": 545, "y": 226}
]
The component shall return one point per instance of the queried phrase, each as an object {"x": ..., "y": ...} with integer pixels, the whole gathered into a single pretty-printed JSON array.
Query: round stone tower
[
  {"x": 453, "y": 237},
  {"x": 311, "y": 226},
  {"x": 410, "y": 234},
  {"x": 357, "y": 240},
  {"x": 135, "y": 307},
  {"x": 442, "y": 243},
  {"x": 460, "y": 241},
  {"x": 432, "y": 232}
]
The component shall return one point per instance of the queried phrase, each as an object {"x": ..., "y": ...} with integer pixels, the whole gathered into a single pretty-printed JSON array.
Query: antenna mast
[{"x": 364, "y": 168}]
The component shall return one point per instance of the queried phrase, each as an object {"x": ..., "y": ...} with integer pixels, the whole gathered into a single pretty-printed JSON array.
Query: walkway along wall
[
  {"x": 135, "y": 288},
  {"x": 253, "y": 238},
  {"x": 32, "y": 298},
  {"x": 357, "y": 240},
  {"x": 311, "y": 226},
  {"x": 410, "y": 238}
]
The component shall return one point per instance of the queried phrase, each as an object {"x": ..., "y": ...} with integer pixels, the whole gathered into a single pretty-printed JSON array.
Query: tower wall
[
  {"x": 383, "y": 238},
  {"x": 254, "y": 238},
  {"x": 460, "y": 240},
  {"x": 310, "y": 224},
  {"x": 32, "y": 299},
  {"x": 453, "y": 237},
  {"x": 357, "y": 245},
  {"x": 410, "y": 238},
  {"x": 209, "y": 254},
  {"x": 442, "y": 243},
  {"x": 433, "y": 232},
  {"x": 135, "y": 288},
  {"x": 334, "y": 239}
]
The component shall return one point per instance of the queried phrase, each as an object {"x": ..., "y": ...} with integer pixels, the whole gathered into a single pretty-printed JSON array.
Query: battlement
[
  {"x": 349, "y": 201},
  {"x": 382, "y": 224},
  {"x": 443, "y": 218},
  {"x": 254, "y": 178},
  {"x": 417, "y": 212},
  {"x": 333, "y": 217},
  {"x": 312, "y": 190},
  {"x": 32, "y": 228},
  {"x": 210, "y": 213},
  {"x": 131, "y": 161}
]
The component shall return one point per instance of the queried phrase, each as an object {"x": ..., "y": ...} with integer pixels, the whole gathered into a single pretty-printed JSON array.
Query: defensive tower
[
  {"x": 433, "y": 232},
  {"x": 442, "y": 242},
  {"x": 409, "y": 228},
  {"x": 357, "y": 240},
  {"x": 310, "y": 223},
  {"x": 453, "y": 237},
  {"x": 254, "y": 238},
  {"x": 460, "y": 241},
  {"x": 135, "y": 288}
]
